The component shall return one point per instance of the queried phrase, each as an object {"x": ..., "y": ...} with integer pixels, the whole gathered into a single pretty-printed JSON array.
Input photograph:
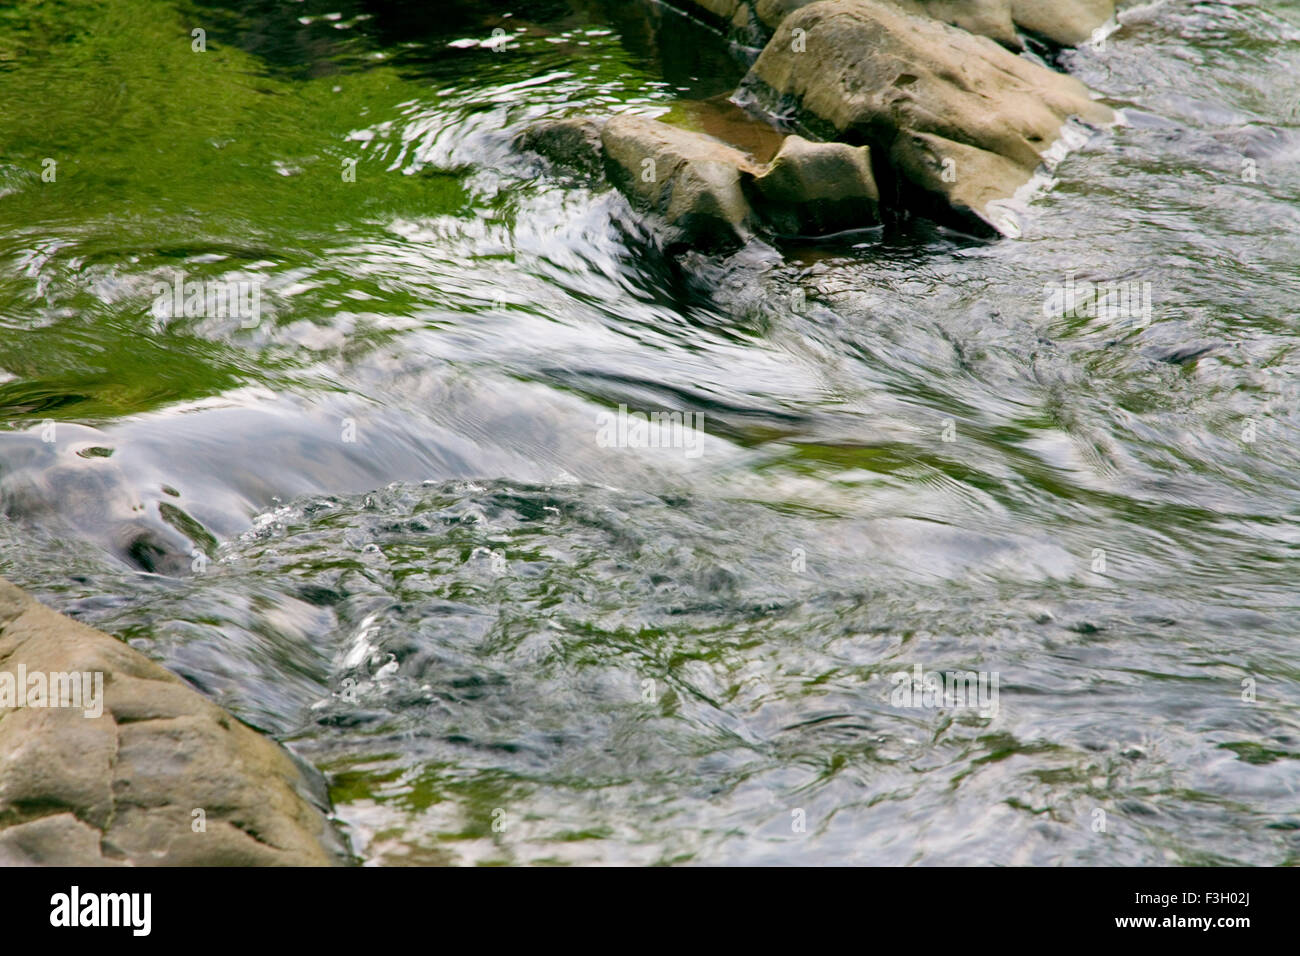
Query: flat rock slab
[{"x": 117, "y": 762}]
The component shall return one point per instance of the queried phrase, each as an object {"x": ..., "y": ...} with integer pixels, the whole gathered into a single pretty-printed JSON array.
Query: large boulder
[
  {"x": 862, "y": 72},
  {"x": 692, "y": 181},
  {"x": 142, "y": 770},
  {"x": 957, "y": 124},
  {"x": 1063, "y": 22},
  {"x": 815, "y": 188}
]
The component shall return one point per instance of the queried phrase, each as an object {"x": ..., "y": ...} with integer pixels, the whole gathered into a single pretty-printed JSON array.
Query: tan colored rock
[
  {"x": 691, "y": 180},
  {"x": 1065, "y": 22},
  {"x": 814, "y": 188},
  {"x": 958, "y": 180},
  {"x": 958, "y": 123},
  {"x": 56, "y": 840},
  {"x": 711, "y": 195},
  {"x": 772, "y": 12},
  {"x": 864, "y": 73},
  {"x": 986, "y": 18},
  {"x": 120, "y": 787}
]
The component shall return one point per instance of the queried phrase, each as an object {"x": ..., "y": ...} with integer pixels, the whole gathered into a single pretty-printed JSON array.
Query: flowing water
[{"x": 382, "y": 522}]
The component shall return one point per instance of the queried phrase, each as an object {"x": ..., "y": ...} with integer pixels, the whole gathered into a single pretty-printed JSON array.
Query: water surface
[{"x": 379, "y": 523}]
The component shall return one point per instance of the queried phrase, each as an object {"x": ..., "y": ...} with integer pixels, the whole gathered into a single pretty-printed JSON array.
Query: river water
[{"x": 382, "y": 521}]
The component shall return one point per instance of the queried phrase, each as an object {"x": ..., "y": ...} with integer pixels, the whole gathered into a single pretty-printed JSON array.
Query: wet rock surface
[
  {"x": 692, "y": 181},
  {"x": 902, "y": 107},
  {"x": 1061, "y": 22},
  {"x": 572, "y": 144},
  {"x": 976, "y": 198},
  {"x": 1066, "y": 22},
  {"x": 862, "y": 72},
  {"x": 813, "y": 188},
  {"x": 137, "y": 769},
  {"x": 710, "y": 195}
]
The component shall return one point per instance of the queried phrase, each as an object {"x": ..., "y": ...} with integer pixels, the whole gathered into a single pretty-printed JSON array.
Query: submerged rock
[
  {"x": 569, "y": 143},
  {"x": 142, "y": 770},
  {"x": 862, "y": 72}
]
